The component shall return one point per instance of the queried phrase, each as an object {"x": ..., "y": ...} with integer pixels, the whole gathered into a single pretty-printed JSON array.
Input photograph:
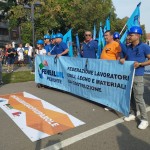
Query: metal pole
[
  {"x": 33, "y": 35},
  {"x": 19, "y": 29}
]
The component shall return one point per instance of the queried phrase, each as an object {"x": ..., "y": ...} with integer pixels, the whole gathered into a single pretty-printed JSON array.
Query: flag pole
[{"x": 123, "y": 29}]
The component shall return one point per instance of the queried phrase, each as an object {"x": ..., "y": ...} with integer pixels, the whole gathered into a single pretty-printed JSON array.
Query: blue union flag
[
  {"x": 134, "y": 20},
  {"x": 135, "y": 17}
]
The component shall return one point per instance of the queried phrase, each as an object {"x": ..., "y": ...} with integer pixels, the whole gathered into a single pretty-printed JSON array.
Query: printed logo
[
  {"x": 43, "y": 71},
  {"x": 16, "y": 114},
  {"x": 137, "y": 19},
  {"x": 41, "y": 66},
  {"x": 9, "y": 106},
  {"x": 107, "y": 50}
]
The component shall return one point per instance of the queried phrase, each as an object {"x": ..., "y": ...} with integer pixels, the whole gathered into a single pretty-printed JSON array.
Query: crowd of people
[
  {"x": 11, "y": 55},
  {"x": 133, "y": 50}
]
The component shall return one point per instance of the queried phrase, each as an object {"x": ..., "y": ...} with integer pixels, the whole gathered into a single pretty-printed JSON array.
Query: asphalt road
[{"x": 120, "y": 136}]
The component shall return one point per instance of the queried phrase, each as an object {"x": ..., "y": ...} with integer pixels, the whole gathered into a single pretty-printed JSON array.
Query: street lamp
[{"x": 33, "y": 5}]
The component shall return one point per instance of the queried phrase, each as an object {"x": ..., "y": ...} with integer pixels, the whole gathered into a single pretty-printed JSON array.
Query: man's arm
[
  {"x": 118, "y": 56},
  {"x": 142, "y": 64},
  {"x": 117, "y": 51},
  {"x": 63, "y": 53}
]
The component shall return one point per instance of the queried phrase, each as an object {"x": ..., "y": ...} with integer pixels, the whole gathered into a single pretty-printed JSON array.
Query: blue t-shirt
[
  {"x": 59, "y": 48},
  {"x": 123, "y": 49},
  {"x": 89, "y": 49},
  {"x": 138, "y": 53},
  {"x": 47, "y": 48},
  {"x": 52, "y": 50}
]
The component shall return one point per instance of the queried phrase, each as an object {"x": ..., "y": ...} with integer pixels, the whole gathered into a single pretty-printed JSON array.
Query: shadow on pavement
[
  {"x": 128, "y": 142},
  {"x": 52, "y": 142},
  {"x": 147, "y": 89},
  {"x": 118, "y": 114},
  {"x": 39, "y": 144}
]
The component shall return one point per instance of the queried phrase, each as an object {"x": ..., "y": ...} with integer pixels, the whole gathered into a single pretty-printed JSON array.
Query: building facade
[{"x": 6, "y": 35}]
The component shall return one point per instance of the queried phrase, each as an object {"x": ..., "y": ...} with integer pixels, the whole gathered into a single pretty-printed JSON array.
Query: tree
[{"x": 60, "y": 16}]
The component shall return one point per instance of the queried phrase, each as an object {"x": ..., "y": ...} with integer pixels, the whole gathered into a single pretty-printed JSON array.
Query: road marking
[{"x": 86, "y": 134}]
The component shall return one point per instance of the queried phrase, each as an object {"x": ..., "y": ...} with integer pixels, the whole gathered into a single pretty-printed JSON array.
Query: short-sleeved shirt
[
  {"x": 20, "y": 50},
  {"x": 138, "y": 53},
  {"x": 11, "y": 50},
  {"x": 123, "y": 50},
  {"x": 110, "y": 51},
  {"x": 30, "y": 51},
  {"x": 48, "y": 48},
  {"x": 59, "y": 48},
  {"x": 89, "y": 49},
  {"x": 41, "y": 52}
]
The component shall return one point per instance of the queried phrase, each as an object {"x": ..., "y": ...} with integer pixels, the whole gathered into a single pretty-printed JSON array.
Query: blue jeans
[
  {"x": 30, "y": 61},
  {"x": 10, "y": 60}
]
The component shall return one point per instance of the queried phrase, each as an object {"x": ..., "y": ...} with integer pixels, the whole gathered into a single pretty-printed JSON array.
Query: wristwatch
[{"x": 140, "y": 64}]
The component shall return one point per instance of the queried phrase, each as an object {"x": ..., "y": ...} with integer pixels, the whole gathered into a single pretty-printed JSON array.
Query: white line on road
[{"x": 86, "y": 134}]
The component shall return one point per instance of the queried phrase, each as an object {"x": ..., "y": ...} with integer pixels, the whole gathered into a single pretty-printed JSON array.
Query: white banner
[{"x": 35, "y": 117}]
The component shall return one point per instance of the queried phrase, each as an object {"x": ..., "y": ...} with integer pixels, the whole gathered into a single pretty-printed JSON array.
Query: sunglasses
[{"x": 88, "y": 35}]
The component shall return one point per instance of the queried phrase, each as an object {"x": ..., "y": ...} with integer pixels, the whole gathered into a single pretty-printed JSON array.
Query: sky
[{"x": 126, "y": 7}]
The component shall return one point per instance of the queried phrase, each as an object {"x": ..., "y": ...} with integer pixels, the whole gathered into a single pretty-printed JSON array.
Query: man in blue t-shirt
[
  {"x": 89, "y": 46},
  {"x": 47, "y": 45},
  {"x": 53, "y": 43},
  {"x": 116, "y": 37},
  {"x": 61, "y": 48},
  {"x": 137, "y": 52}
]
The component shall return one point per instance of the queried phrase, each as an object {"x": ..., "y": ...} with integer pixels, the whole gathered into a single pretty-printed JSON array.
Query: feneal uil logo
[{"x": 41, "y": 66}]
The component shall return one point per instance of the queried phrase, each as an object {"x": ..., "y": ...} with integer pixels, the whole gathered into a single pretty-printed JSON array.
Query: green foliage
[
  {"x": 144, "y": 34},
  {"x": 61, "y": 15},
  {"x": 20, "y": 76}
]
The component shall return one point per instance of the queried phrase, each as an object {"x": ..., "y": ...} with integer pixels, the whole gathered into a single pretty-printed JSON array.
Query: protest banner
[
  {"x": 102, "y": 81},
  {"x": 147, "y": 70}
]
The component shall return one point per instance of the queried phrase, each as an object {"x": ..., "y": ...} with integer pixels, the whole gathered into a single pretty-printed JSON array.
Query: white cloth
[
  {"x": 20, "y": 53},
  {"x": 30, "y": 51},
  {"x": 41, "y": 52}
]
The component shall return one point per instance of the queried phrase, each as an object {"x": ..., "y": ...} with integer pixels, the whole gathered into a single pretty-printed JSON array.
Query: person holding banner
[
  {"x": 116, "y": 37},
  {"x": 47, "y": 42},
  {"x": 40, "y": 46},
  {"x": 53, "y": 40},
  {"x": 112, "y": 49},
  {"x": 89, "y": 46},
  {"x": 61, "y": 48},
  {"x": 53, "y": 43},
  {"x": 137, "y": 52},
  {"x": 40, "y": 51}
]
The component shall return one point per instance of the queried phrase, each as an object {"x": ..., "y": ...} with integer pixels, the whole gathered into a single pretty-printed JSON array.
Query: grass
[{"x": 15, "y": 77}]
